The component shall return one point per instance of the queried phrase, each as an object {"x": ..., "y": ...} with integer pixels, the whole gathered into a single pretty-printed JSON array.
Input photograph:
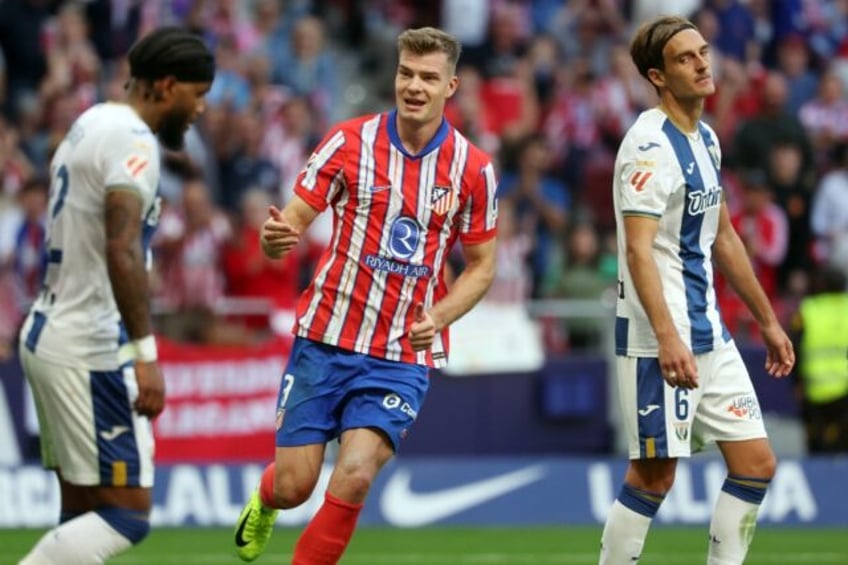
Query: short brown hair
[
  {"x": 647, "y": 46},
  {"x": 424, "y": 40}
]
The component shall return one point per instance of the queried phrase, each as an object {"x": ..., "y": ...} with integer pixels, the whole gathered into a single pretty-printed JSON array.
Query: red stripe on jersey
[{"x": 399, "y": 216}]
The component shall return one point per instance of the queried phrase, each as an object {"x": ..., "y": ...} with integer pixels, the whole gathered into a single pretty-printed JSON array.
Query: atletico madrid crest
[{"x": 441, "y": 199}]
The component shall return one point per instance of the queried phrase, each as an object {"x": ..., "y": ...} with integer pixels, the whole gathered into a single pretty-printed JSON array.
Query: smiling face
[
  {"x": 423, "y": 84},
  {"x": 687, "y": 74}
]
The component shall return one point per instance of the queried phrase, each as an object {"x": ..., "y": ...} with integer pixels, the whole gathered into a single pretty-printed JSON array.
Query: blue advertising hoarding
[{"x": 482, "y": 491}]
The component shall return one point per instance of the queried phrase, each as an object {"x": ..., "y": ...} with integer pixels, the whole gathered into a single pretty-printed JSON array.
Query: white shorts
[
  {"x": 89, "y": 429},
  {"x": 662, "y": 421}
]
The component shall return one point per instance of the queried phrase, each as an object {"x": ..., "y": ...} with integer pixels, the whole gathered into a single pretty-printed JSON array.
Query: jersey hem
[{"x": 380, "y": 353}]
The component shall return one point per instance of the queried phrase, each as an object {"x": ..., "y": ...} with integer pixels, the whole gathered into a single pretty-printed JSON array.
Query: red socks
[
  {"x": 326, "y": 537},
  {"x": 266, "y": 487}
]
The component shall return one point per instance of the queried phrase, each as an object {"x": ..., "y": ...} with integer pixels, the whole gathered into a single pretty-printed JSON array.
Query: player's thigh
[
  {"x": 95, "y": 436},
  {"x": 657, "y": 418},
  {"x": 387, "y": 398},
  {"x": 729, "y": 410}
]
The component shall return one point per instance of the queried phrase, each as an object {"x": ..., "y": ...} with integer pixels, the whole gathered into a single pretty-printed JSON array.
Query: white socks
[{"x": 86, "y": 540}]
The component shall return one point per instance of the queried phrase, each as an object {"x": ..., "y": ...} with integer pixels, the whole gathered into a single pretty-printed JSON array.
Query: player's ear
[
  {"x": 164, "y": 88},
  {"x": 657, "y": 77},
  {"x": 453, "y": 84}
]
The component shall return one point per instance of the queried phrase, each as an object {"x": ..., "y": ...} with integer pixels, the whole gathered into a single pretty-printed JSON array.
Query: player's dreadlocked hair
[{"x": 171, "y": 51}]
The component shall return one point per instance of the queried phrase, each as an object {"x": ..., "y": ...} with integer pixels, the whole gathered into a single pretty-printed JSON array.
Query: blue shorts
[{"x": 326, "y": 390}]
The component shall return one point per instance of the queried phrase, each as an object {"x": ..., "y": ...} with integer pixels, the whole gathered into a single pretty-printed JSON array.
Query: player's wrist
[{"x": 144, "y": 349}]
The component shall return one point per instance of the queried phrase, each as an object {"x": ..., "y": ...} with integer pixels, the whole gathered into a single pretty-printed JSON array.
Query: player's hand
[
  {"x": 151, "y": 389},
  {"x": 423, "y": 329},
  {"x": 780, "y": 355},
  {"x": 277, "y": 235},
  {"x": 677, "y": 363}
]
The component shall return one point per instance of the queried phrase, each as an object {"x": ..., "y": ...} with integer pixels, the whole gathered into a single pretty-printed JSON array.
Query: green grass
[{"x": 460, "y": 546}]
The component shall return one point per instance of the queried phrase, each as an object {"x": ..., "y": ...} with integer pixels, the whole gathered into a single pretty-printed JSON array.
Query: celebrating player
[
  {"x": 86, "y": 346},
  {"x": 404, "y": 186},
  {"x": 681, "y": 379}
]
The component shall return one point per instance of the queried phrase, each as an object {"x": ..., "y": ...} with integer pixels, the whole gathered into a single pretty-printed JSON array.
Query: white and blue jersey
[
  {"x": 664, "y": 173},
  {"x": 75, "y": 321}
]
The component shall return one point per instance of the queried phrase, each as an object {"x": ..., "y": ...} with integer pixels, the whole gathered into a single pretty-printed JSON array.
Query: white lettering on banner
[
  {"x": 789, "y": 494},
  {"x": 189, "y": 419},
  {"x": 242, "y": 377},
  {"x": 29, "y": 497},
  {"x": 205, "y": 497}
]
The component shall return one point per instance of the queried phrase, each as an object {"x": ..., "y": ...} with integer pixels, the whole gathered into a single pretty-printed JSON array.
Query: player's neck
[
  {"x": 144, "y": 110},
  {"x": 685, "y": 115},
  {"x": 414, "y": 136}
]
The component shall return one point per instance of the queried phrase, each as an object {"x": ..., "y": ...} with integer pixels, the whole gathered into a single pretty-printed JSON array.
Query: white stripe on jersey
[
  {"x": 367, "y": 167},
  {"x": 318, "y": 160},
  {"x": 377, "y": 292},
  {"x": 460, "y": 158},
  {"x": 426, "y": 181}
]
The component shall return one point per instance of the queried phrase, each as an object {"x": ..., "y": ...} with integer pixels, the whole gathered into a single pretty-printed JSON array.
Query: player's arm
[
  {"x": 464, "y": 293},
  {"x": 676, "y": 360},
  {"x": 128, "y": 276},
  {"x": 732, "y": 260},
  {"x": 470, "y": 287},
  {"x": 282, "y": 230},
  {"x": 126, "y": 261}
]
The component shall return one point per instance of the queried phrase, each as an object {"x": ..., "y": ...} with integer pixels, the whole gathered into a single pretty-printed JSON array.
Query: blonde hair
[
  {"x": 647, "y": 46},
  {"x": 425, "y": 40}
]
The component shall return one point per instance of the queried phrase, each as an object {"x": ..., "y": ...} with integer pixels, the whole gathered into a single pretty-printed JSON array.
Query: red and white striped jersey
[{"x": 396, "y": 217}]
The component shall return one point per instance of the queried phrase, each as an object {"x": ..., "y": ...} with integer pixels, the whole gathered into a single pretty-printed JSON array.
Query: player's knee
[
  {"x": 131, "y": 524},
  {"x": 291, "y": 490},
  {"x": 352, "y": 479}
]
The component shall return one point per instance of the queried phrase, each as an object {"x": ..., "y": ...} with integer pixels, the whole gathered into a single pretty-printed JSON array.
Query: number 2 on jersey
[{"x": 62, "y": 192}]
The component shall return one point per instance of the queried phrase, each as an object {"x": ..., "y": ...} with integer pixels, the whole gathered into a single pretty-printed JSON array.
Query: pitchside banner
[
  {"x": 461, "y": 491},
  {"x": 221, "y": 402}
]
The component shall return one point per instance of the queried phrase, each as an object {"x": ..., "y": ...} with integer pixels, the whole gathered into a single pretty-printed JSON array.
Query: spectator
[
  {"x": 581, "y": 278},
  {"x": 250, "y": 274},
  {"x": 541, "y": 203},
  {"x": 826, "y": 117},
  {"x": 829, "y": 219},
  {"x": 821, "y": 332},
  {"x": 764, "y": 230}
]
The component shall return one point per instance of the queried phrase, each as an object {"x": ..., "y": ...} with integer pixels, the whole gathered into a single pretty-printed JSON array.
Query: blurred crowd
[{"x": 546, "y": 86}]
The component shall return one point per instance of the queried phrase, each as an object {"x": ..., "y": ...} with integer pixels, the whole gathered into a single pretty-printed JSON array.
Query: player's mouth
[
  {"x": 704, "y": 80},
  {"x": 412, "y": 104}
]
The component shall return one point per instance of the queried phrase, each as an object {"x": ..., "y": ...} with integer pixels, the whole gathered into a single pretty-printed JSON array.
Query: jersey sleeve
[
  {"x": 322, "y": 177},
  {"x": 129, "y": 159},
  {"x": 643, "y": 177},
  {"x": 480, "y": 214}
]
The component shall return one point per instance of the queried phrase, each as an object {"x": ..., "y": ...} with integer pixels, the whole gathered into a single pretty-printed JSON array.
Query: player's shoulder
[
  {"x": 646, "y": 139},
  {"x": 115, "y": 122},
  {"x": 476, "y": 158}
]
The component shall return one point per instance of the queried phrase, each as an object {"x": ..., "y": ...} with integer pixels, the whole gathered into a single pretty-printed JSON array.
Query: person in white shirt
[
  {"x": 682, "y": 382},
  {"x": 87, "y": 346}
]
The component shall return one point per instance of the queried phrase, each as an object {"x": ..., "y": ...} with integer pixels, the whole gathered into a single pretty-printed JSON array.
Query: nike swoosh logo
[
  {"x": 401, "y": 506},
  {"x": 114, "y": 432},
  {"x": 690, "y": 168},
  {"x": 648, "y": 409},
  {"x": 240, "y": 541}
]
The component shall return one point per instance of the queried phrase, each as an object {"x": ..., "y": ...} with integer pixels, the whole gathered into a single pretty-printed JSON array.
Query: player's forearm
[
  {"x": 467, "y": 290},
  {"x": 125, "y": 263},
  {"x": 128, "y": 276},
  {"x": 648, "y": 286},
  {"x": 732, "y": 261}
]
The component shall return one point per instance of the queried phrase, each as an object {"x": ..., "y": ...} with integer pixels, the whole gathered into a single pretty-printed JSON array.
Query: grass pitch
[{"x": 461, "y": 546}]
